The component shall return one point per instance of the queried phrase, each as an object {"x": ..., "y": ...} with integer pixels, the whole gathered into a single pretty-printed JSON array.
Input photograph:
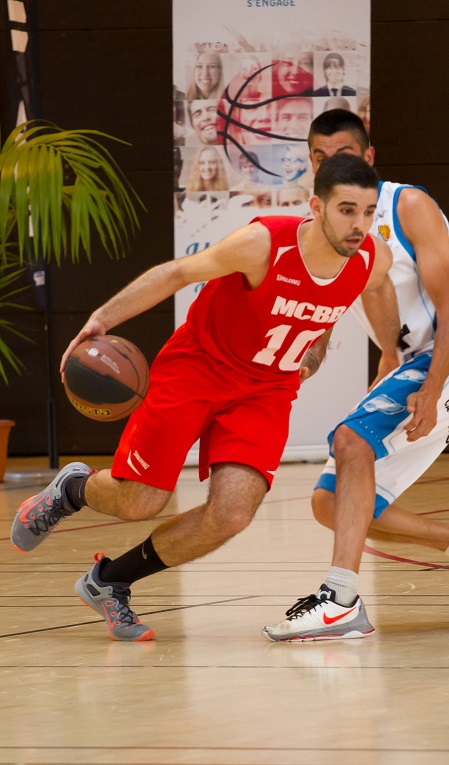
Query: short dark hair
[
  {"x": 343, "y": 169},
  {"x": 338, "y": 120}
]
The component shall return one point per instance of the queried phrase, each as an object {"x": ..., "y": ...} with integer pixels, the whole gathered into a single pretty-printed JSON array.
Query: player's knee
[
  {"x": 225, "y": 521},
  {"x": 348, "y": 443},
  {"x": 323, "y": 507}
]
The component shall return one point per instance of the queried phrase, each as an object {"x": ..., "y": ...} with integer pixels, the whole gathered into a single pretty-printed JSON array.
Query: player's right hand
[{"x": 92, "y": 328}]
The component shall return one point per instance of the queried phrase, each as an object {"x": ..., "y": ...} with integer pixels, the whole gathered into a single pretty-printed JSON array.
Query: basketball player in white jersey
[
  {"x": 397, "y": 431},
  {"x": 227, "y": 376}
]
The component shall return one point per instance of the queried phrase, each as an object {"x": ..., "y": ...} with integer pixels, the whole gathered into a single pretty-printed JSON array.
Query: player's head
[
  {"x": 344, "y": 200},
  {"x": 338, "y": 132},
  {"x": 343, "y": 170}
]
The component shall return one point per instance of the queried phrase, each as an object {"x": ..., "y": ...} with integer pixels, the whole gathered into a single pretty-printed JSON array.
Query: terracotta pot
[{"x": 5, "y": 427}]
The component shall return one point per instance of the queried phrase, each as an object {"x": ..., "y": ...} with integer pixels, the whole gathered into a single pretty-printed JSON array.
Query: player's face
[
  {"x": 203, "y": 120},
  {"x": 208, "y": 164},
  {"x": 344, "y": 142},
  {"x": 347, "y": 217},
  {"x": 207, "y": 73}
]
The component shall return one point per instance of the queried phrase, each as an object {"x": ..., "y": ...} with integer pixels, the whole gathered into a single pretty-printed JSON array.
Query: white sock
[{"x": 345, "y": 584}]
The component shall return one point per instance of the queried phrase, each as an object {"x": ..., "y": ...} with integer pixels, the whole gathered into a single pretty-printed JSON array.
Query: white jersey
[{"x": 416, "y": 310}]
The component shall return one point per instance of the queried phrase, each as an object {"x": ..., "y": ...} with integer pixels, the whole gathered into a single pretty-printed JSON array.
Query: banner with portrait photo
[{"x": 249, "y": 76}]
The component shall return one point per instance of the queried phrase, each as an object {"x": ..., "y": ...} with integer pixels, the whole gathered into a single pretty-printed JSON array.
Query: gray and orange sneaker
[
  {"x": 38, "y": 516},
  {"x": 111, "y": 601}
]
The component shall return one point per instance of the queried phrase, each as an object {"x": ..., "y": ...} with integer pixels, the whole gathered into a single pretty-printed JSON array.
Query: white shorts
[{"x": 380, "y": 418}]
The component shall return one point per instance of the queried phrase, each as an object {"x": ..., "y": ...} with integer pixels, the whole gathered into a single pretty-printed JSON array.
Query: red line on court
[
  {"x": 380, "y": 554},
  {"x": 441, "y": 479},
  {"x": 96, "y": 526}
]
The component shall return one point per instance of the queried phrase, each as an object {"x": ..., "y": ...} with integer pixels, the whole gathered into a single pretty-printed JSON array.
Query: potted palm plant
[{"x": 57, "y": 187}]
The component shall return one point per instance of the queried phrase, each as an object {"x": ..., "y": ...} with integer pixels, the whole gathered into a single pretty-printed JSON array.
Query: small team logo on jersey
[{"x": 384, "y": 232}]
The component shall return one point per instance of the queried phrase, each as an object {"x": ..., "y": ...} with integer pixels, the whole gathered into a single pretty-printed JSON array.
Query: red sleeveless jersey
[{"x": 264, "y": 332}]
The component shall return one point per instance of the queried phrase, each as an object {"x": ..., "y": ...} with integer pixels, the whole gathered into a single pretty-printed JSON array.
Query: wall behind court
[{"x": 107, "y": 65}]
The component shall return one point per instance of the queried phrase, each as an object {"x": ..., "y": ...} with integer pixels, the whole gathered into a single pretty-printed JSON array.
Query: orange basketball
[{"x": 106, "y": 378}]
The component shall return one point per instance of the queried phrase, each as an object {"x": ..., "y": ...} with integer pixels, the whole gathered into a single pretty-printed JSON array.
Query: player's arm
[
  {"x": 314, "y": 356},
  {"x": 381, "y": 307},
  {"x": 423, "y": 225},
  {"x": 246, "y": 250}
]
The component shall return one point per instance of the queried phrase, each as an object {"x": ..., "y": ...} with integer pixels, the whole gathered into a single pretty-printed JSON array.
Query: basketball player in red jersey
[{"x": 228, "y": 376}]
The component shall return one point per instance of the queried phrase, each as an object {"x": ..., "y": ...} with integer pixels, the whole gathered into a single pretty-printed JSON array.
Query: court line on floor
[
  {"x": 143, "y": 613},
  {"x": 398, "y": 558}
]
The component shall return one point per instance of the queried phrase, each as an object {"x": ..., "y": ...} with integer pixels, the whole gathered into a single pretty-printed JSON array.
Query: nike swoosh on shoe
[{"x": 332, "y": 619}]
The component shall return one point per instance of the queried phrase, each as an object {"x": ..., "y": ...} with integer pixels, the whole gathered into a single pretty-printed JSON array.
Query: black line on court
[
  {"x": 329, "y": 749},
  {"x": 144, "y": 613}
]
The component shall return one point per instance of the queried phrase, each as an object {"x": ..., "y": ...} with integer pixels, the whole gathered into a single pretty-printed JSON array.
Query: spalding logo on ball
[{"x": 106, "y": 378}]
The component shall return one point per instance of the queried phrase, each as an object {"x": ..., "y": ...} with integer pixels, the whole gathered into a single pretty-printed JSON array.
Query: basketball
[{"x": 106, "y": 378}]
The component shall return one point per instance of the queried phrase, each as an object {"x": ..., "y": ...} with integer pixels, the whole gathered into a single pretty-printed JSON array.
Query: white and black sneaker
[{"x": 319, "y": 617}]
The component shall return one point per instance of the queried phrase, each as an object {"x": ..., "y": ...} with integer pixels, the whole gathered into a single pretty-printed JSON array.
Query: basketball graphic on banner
[{"x": 265, "y": 116}]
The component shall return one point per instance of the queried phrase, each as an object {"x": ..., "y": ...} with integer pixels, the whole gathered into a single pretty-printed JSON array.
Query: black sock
[
  {"x": 135, "y": 564},
  {"x": 74, "y": 488}
]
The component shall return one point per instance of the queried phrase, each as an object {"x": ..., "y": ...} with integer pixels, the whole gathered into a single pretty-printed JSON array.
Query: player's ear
[
  {"x": 369, "y": 156},
  {"x": 316, "y": 206}
]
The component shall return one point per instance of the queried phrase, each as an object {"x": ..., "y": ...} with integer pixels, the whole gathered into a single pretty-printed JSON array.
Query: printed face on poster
[{"x": 249, "y": 77}]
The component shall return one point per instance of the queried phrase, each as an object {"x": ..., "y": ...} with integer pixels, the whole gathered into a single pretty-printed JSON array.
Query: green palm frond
[
  {"x": 57, "y": 188},
  {"x": 8, "y": 294},
  {"x": 61, "y": 217}
]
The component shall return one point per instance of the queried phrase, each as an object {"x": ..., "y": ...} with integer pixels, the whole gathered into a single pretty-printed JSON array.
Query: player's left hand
[
  {"x": 386, "y": 365},
  {"x": 423, "y": 406}
]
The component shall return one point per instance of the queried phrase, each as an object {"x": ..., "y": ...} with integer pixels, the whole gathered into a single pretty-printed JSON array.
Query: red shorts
[{"x": 194, "y": 396}]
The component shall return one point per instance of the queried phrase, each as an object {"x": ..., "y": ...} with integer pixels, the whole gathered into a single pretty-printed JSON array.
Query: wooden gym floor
[{"x": 210, "y": 690}]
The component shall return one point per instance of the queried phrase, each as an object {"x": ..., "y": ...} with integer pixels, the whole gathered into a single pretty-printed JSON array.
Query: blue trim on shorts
[
  {"x": 381, "y": 412},
  {"x": 328, "y": 480}
]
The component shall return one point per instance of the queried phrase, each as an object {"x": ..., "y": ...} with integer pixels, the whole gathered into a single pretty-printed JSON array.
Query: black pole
[
  {"x": 24, "y": 20},
  {"x": 52, "y": 420},
  {"x": 41, "y": 287}
]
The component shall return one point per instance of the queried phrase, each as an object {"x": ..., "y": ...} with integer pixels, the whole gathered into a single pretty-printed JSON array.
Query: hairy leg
[
  {"x": 354, "y": 497},
  {"x": 395, "y": 522},
  {"x": 128, "y": 500},
  {"x": 236, "y": 492}
]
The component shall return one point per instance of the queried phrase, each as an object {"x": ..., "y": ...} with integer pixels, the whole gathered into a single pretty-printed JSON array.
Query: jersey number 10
[{"x": 290, "y": 361}]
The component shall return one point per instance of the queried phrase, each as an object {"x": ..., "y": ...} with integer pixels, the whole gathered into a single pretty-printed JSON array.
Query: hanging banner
[{"x": 249, "y": 76}]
